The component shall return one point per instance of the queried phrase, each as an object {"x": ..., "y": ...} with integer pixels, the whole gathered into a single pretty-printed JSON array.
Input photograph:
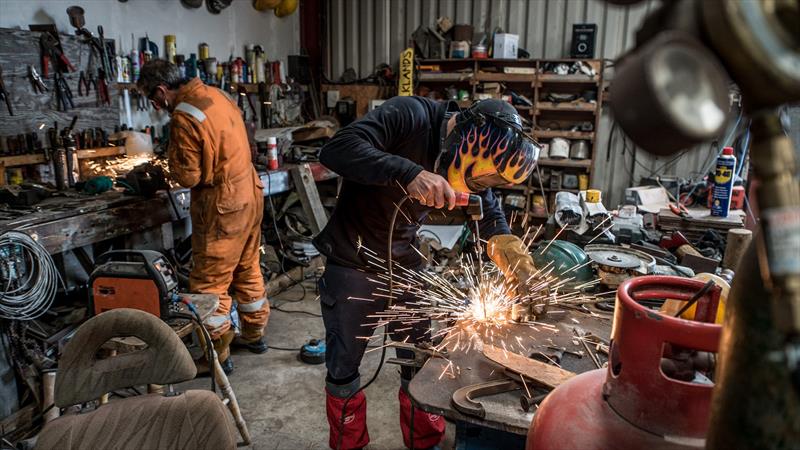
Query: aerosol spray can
[
  {"x": 724, "y": 176},
  {"x": 272, "y": 153}
]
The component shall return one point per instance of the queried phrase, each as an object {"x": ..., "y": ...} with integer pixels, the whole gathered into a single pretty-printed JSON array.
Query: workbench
[
  {"x": 73, "y": 220},
  {"x": 433, "y": 392}
]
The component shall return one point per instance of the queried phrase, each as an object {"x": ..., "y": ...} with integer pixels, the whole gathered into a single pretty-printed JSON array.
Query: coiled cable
[{"x": 25, "y": 295}]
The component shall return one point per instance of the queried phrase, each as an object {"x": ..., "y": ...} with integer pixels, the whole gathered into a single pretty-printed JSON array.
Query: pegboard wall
[{"x": 20, "y": 49}]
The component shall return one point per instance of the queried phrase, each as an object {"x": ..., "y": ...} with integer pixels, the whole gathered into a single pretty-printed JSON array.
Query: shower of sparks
[
  {"x": 118, "y": 166},
  {"x": 468, "y": 304}
]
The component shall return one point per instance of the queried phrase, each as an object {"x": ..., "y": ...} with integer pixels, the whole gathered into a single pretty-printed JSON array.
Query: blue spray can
[{"x": 723, "y": 183}]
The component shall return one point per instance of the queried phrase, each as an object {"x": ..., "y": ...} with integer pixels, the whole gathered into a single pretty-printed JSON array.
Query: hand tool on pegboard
[
  {"x": 4, "y": 95},
  {"x": 85, "y": 84},
  {"x": 103, "y": 97},
  {"x": 38, "y": 84},
  {"x": 51, "y": 52},
  {"x": 63, "y": 93}
]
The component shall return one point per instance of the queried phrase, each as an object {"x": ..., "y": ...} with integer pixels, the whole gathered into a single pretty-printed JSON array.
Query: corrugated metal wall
[{"x": 365, "y": 33}]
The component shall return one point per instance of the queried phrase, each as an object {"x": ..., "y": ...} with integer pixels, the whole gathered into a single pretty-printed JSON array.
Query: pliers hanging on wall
[
  {"x": 85, "y": 84},
  {"x": 38, "y": 84},
  {"x": 50, "y": 50},
  {"x": 63, "y": 93}
]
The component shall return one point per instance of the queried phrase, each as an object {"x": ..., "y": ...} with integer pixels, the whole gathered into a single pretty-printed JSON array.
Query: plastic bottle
[
  {"x": 724, "y": 175},
  {"x": 272, "y": 153},
  {"x": 134, "y": 75}
]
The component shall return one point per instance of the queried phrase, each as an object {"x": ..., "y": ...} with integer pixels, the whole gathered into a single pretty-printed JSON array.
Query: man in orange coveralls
[{"x": 209, "y": 153}]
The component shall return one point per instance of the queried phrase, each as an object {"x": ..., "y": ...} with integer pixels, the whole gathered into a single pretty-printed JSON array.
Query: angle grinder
[
  {"x": 313, "y": 352},
  {"x": 468, "y": 207}
]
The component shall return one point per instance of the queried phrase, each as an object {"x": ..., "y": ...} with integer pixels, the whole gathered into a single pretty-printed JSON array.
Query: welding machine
[{"x": 138, "y": 279}]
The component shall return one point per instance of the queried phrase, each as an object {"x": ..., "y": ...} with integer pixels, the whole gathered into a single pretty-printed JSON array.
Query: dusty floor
[{"x": 283, "y": 399}]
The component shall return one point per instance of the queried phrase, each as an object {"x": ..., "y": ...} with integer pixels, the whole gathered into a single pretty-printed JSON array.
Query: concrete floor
[{"x": 283, "y": 399}]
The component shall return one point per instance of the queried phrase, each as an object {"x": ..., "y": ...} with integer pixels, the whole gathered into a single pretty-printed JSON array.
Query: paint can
[
  {"x": 203, "y": 51},
  {"x": 479, "y": 51}
]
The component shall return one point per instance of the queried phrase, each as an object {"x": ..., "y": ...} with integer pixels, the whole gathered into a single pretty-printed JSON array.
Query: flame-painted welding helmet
[{"x": 486, "y": 148}]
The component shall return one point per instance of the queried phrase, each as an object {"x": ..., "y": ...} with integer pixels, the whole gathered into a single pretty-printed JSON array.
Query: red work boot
[
  {"x": 428, "y": 428},
  {"x": 354, "y": 434}
]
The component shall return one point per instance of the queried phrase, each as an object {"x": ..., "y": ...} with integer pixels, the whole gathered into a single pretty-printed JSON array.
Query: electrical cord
[
  {"x": 389, "y": 268},
  {"x": 282, "y": 257},
  {"x": 297, "y": 311},
  {"x": 209, "y": 347},
  {"x": 34, "y": 295}
]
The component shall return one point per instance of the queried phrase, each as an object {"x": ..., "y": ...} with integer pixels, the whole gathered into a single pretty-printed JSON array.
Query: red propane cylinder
[{"x": 633, "y": 404}]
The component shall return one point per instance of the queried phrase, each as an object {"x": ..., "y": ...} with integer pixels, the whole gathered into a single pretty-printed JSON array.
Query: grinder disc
[{"x": 618, "y": 257}]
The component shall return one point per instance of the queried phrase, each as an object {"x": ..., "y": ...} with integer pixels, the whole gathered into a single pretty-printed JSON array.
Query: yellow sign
[{"x": 405, "y": 85}]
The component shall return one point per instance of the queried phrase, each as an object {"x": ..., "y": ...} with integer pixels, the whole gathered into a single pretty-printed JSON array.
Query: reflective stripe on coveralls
[{"x": 251, "y": 307}]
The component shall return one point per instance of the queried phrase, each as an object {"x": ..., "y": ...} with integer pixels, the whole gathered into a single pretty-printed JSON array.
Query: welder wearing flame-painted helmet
[{"x": 486, "y": 148}]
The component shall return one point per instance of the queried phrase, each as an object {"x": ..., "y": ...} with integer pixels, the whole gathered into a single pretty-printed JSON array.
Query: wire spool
[
  {"x": 313, "y": 352},
  {"x": 28, "y": 277}
]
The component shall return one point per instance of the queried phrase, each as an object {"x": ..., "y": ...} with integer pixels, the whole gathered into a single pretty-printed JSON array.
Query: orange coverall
[{"x": 210, "y": 154}]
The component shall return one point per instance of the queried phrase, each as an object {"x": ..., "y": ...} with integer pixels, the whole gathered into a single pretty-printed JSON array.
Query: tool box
[{"x": 138, "y": 279}]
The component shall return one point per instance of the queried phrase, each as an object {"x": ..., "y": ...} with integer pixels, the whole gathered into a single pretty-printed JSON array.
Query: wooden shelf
[
  {"x": 571, "y": 106},
  {"x": 250, "y": 88},
  {"x": 571, "y": 79},
  {"x": 570, "y": 163},
  {"x": 514, "y": 187},
  {"x": 100, "y": 152},
  {"x": 446, "y": 77},
  {"x": 505, "y": 77},
  {"x": 21, "y": 160},
  {"x": 588, "y": 135},
  {"x": 38, "y": 158},
  {"x": 547, "y": 189}
]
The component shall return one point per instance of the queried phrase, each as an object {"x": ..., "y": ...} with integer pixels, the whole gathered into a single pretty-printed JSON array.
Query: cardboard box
[{"x": 505, "y": 45}]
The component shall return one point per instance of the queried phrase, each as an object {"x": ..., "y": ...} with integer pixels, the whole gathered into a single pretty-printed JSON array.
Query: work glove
[{"x": 512, "y": 258}]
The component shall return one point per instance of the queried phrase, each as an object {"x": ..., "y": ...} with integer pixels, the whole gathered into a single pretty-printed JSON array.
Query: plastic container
[
  {"x": 479, "y": 51},
  {"x": 724, "y": 175}
]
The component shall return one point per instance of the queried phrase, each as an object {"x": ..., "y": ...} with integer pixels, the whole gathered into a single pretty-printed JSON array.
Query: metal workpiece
[{"x": 773, "y": 159}]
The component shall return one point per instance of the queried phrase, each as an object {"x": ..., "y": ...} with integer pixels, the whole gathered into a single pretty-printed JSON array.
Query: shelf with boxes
[{"x": 559, "y": 100}]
